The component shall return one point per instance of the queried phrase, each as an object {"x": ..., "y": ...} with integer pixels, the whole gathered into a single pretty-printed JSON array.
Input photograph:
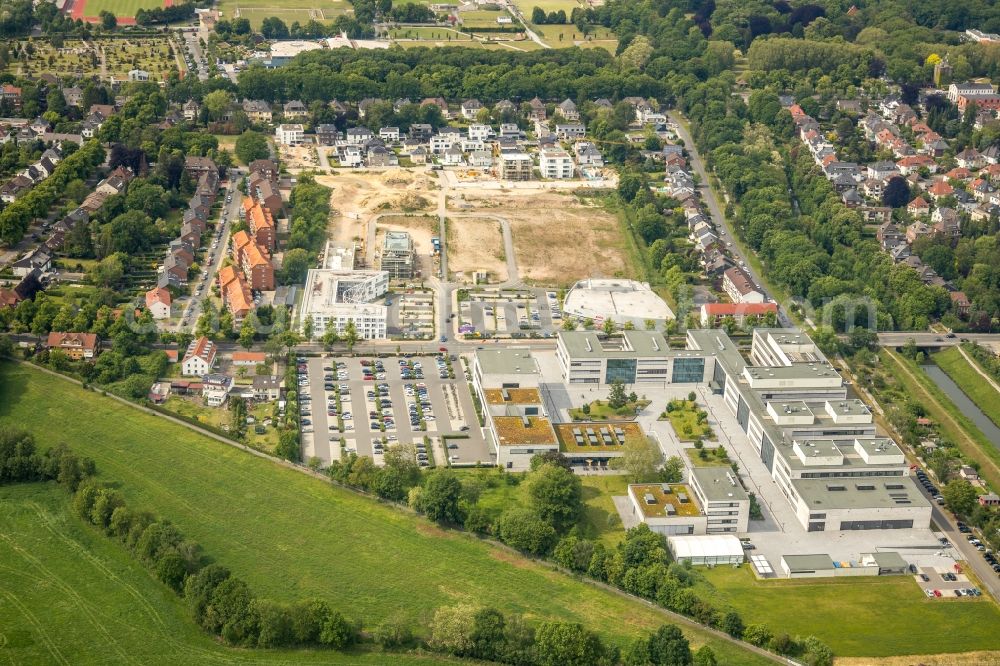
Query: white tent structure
[{"x": 707, "y": 549}]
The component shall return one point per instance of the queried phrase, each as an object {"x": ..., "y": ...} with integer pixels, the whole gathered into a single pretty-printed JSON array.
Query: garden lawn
[
  {"x": 72, "y": 596},
  {"x": 971, "y": 382},
  {"x": 291, "y": 536},
  {"x": 872, "y": 617}
]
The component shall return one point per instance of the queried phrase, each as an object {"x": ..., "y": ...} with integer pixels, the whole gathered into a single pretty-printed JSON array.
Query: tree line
[
  {"x": 548, "y": 526},
  {"x": 17, "y": 216}
]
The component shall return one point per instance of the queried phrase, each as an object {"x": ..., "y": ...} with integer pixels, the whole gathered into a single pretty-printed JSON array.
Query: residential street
[
  {"x": 230, "y": 212},
  {"x": 715, "y": 210}
]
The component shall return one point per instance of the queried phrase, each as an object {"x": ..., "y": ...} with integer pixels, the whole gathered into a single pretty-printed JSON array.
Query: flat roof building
[
  {"x": 621, "y": 301},
  {"x": 335, "y": 296},
  {"x": 706, "y": 550}
]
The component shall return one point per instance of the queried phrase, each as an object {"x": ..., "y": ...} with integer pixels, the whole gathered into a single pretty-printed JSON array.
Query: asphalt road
[
  {"x": 930, "y": 339},
  {"x": 230, "y": 212},
  {"x": 973, "y": 558},
  {"x": 715, "y": 211}
]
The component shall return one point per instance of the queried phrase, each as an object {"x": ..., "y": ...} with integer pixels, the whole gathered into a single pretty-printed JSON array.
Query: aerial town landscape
[{"x": 529, "y": 332}]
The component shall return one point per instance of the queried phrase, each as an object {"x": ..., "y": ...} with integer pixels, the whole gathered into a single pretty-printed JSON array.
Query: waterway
[{"x": 964, "y": 404}]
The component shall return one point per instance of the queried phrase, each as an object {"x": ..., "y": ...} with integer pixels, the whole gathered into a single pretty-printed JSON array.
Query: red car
[
  {"x": 937, "y": 593},
  {"x": 443, "y": 349}
]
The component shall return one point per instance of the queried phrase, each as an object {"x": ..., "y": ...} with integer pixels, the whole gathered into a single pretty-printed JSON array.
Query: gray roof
[
  {"x": 859, "y": 493},
  {"x": 716, "y": 485},
  {"x": 507, "y": 361}
]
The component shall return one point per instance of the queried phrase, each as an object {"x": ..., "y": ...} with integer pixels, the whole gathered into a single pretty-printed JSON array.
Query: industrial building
[{"x": 337, "y": 294}]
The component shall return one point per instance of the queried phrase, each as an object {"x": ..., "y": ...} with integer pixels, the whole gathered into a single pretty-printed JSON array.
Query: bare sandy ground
[
  {"x": 421, "y": 229},
  {"x": 358, "y": 196},
  {"x": 476, "y": 244},
  {"x": 557, "y": 239}
]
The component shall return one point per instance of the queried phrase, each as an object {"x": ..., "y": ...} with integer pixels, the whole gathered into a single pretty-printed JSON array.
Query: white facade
[
  {"x": 336, "y": 296},
  {"x": 555, "y": 163},
  {"x": 289, "y": 135}
]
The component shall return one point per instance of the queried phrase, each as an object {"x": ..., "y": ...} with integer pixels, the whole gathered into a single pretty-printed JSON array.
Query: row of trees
[
  {"x": 20, "y": 461},
  {"x": 17, "y": 216},
  {"x": 220, "y": 603}
]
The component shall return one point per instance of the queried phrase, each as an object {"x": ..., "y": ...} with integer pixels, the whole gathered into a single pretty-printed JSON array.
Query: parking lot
[
  {"x": 510, "y": 312},
  {"x": 411, "y": 315},
  {"x": 363, "y": 405},
  {"x": 942, "y": 583}
]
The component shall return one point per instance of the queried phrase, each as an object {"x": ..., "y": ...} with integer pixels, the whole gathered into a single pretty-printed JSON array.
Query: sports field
[
  {"x": 291, "y": 536},
  {"x": 123, "y": 9},
  {"x": 287, "y": 10}
]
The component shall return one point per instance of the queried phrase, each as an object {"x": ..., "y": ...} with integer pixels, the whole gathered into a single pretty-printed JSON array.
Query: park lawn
[
  {"x": 71, "y": 595},
  {"x": 685, "y": 423},
  {"x": 291, "y": 536},
  {"x": 609, "y": 45},
  {"x": 527, "y": 6},
  {"x": 971, "y": 382},
  {"x": 126, "y": 8},
  {"x": 430, "y": 33},
  {"x": 481, "y": 19},
  {"x": 605, "y": 412},
  {"x": 869, "y": 616},
  {"x": 599, "y": 512},
  {"x": 191, "y": 407}
]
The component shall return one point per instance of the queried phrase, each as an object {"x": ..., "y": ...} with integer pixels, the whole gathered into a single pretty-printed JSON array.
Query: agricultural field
[
  {"x": 291, "y": 536},
  {"x": 871, "y": 617},
  {"x": 586, "y": 242},
  {"x": 476, "y": 244},
  {"x": 71, "y": 595}
]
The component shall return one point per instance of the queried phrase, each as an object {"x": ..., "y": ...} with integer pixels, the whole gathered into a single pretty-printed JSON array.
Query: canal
[{"x": 964, "y": 404}]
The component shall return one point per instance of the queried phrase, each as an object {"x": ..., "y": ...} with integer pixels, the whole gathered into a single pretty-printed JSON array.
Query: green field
[
  {"x": 600, "y": 519},
  {"x": 126, "y": 8},
  {"x": 973, "y": 385},
  {"x": 287, "y": 10},
  {"x": 72, "y": 596},
  {"x": 872, "y": 617},
  {"x": 291, "y": 536},
  {"x": 527, "y": 6}
]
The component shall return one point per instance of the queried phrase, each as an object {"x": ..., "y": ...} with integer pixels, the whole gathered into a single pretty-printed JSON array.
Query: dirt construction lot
[
  {"x": 557, "y": 239},
  {"x": 357, "y": 196},
  {"x": 476, "y": 245}
]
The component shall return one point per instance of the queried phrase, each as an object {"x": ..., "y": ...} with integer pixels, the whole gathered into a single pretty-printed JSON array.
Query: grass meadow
[
  {"x": 292, "y": 536},
  {"x": 69, "y": 595}
]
